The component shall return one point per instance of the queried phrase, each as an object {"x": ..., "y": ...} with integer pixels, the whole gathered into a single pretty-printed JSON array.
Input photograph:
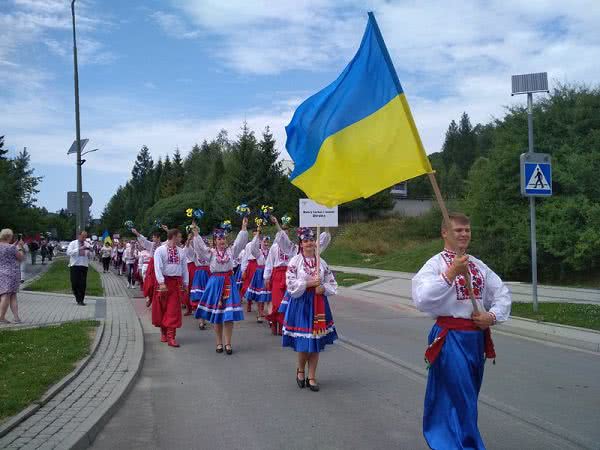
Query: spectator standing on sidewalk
[
  {"x": 44, "y": 251},
  {"x": 33, "y": 249},
  {"x": 10, "y": 257},
  {"x": 79, "y": 252},
  {"x": 105, "y": 254}
]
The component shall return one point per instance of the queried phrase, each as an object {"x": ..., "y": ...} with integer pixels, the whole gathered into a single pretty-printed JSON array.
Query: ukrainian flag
[{"x": 357, "y": 136}]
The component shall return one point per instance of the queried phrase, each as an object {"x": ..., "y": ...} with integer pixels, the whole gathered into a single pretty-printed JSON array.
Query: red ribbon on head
[{"x": 453, "y": 323}]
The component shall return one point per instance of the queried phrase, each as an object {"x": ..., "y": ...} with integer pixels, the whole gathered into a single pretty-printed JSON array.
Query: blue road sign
[{"x": 537, "y": 179}]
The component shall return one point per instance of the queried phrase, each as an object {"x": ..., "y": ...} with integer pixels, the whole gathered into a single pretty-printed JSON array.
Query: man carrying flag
[{"x": 357, "y": 137}]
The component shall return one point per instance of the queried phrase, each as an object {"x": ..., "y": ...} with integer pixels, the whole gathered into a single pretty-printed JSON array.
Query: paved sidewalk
[{"x": 76, "y": 414}]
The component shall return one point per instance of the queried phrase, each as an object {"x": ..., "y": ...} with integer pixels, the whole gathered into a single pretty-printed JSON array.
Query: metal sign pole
[{"x": 532, "y": 209}]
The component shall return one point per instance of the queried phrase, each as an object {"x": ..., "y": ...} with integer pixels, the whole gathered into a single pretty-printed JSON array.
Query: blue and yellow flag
[{"x": 357, "y": 136}]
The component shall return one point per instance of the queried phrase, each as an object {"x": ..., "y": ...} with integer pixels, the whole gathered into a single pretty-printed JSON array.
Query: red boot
[
  {"x": 171, "y": 338},
  {"x": 163, "y": 334}
]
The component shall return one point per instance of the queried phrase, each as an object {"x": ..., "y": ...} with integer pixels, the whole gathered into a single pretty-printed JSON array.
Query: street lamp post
[{"x": 80, "y": 225}]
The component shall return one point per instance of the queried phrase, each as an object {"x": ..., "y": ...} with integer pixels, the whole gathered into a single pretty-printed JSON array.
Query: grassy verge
[
  {"x": 32, "y": 360},
  {"x": 574, "y": 314},
  {"x": 57, "y": 279},
  {"x": 350, "y": 279},
  {"x": 391, "y": 244}
]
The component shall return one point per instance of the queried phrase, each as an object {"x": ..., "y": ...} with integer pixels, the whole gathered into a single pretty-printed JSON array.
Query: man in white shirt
[
  {"x": 460, "y": 341},
  {"x": 171, "y": 274},
  {"x": 78, "y": 252}
]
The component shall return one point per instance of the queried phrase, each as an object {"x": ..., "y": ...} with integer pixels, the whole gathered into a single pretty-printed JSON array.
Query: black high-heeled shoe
[
  {"x": 300, "y": 382},
  {"x": 219, "y": 349},
  {"x": 313, "y": 387},
  {"x": 229, "y": 350}
]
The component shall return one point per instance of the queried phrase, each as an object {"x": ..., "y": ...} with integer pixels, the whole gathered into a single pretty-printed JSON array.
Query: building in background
[{"x": 87, "y": 204}]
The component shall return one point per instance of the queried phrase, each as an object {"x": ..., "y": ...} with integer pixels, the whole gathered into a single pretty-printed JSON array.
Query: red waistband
[
  {"x": 172, "y": 278},
  {"x": 280, "y": 269},
  {"x": 222, "y": 274},
  {"x": 455, "y": 323},
  {"x": 260, "y": 267},
  {"x": 205, "y": 268},
  {"x": 452, "y": 323}
]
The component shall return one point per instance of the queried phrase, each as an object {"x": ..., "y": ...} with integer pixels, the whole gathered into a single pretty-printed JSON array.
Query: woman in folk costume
[
  {"x": 151, "y": 246},
  {"x": 308, "y": 323},
  {"x": 460, "y": 341},
  {"x": 201, "y": 276},
  {"x": 280, "y": 254},
  {"x": 221, "y": 304},
  {"x": 144, "y": 259},
  {"x": 257, "y": 291},
  {"x": 248, "y": 268},
  {"x": 171, "y": 275}
]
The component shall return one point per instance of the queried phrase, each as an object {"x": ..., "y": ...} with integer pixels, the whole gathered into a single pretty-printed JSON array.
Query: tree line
[
  {"x": 478, "y": 169},
  {"x": 18, "y": 202},
  {"x": 215, "y": 176}
]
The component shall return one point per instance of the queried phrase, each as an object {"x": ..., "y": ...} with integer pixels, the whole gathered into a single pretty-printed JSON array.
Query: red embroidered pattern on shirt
[
  {"x": 283, "y": 256},
  {"x": 173, "y": 255},
  {"x": 460, "y": 283}
]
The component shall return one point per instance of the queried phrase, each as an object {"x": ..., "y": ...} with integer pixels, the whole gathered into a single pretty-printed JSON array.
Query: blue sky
[{"x": 170, "y": 73}]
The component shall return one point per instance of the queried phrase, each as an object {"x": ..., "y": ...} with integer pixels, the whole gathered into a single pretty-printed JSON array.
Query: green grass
[
  {"x": 32, "y": 360},
  {"x": 574, "y": 314},
  {"x": 57, "y": 279},
  {"x": 350, "y": 279},
  {"x": 390, "y": 244}
]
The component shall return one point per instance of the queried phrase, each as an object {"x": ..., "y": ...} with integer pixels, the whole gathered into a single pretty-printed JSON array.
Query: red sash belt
[
  {"x": 205, "y": 268},
  {"x": 319, "y": 324},
  {"x": 452, "y": 323},
  {"x": 260, "y": 267},
  {"x": 280, "y": 269},
  {"x": 226, "y": 285}
]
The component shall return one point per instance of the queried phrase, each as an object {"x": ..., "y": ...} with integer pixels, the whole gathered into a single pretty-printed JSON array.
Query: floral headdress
[{"x": 305, "y": 234}]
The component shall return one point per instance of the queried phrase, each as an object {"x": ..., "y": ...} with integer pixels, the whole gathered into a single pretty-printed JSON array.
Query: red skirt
[
  {"x": 150, "y": 280},
  {"x": 278, "y": 288},
  {"x": 166, "y": 306},
  {"x": 252, "y": 265}
]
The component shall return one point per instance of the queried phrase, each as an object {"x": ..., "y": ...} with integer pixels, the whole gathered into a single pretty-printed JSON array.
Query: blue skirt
[
  {"x": 453, "y": 384},
  {"x": 257, "y": 291},
  {"x": 298, "y": 324},
  {"x": 237, "y": 276},
  {"x": 285, "y": 301},
  {"x": 198, "y": 285},
  {"x": 216, "y": 309}
]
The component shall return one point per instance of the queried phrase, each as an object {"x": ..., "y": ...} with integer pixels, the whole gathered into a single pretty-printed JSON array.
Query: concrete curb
[
  {"x": 19, "y": 418},
  {"x": 95, "y": 423},
  {"x": 39, "y": 275}
]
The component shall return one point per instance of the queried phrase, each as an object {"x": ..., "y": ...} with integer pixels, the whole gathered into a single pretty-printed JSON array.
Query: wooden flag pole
[
  {"x": 318, "y": 252},
  {"x": 442, "y": 205}
]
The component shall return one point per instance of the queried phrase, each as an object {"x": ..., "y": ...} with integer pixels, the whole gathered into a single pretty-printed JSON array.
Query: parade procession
[{"x": 356, "y": 276}]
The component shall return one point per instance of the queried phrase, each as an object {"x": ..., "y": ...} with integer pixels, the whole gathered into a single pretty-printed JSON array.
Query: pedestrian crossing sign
[{"x": 536, "y": 175}]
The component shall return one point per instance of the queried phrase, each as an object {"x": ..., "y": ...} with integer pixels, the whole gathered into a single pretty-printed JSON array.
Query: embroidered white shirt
[
  {"x": 432, "y": 293},
  {"x": 220, "y": 262},
  {"x": 170, "y": 261},
  {"x": 301, "y": 270}
]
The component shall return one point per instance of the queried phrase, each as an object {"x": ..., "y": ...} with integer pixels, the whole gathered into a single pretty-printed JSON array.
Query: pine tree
[
  {"x": 243, "y": 183},
  {"x": 143, "y": 165},
  {"x": 167, "y": 187},
  {"x": 26, "y": 181},
  {"x": 178, "y": 172},
  {"x": 3, "y": 151}
]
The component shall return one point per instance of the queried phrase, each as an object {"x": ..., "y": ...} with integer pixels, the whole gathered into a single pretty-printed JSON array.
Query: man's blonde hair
[{"x": 6, "y": 234}]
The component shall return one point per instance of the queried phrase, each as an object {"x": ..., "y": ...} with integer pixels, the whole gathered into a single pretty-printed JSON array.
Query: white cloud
[{"x": 173, "y": 25}]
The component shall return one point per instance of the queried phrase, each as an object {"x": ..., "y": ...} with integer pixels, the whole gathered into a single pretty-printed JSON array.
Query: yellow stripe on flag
[{"x": 366, "y": 157}]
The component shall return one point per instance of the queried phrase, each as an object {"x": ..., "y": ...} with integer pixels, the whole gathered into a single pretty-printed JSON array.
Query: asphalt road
[{"x": 537, "y": 396}]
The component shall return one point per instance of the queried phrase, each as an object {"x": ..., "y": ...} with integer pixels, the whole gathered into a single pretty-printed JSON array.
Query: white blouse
[
  {"x": 149, "y": 245},
  {"x": 220, "y": 262},
  {"x": 301, "y": 270},
  {"x": 258, "y": 251},
  {"x": 432, "y": 293}
]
